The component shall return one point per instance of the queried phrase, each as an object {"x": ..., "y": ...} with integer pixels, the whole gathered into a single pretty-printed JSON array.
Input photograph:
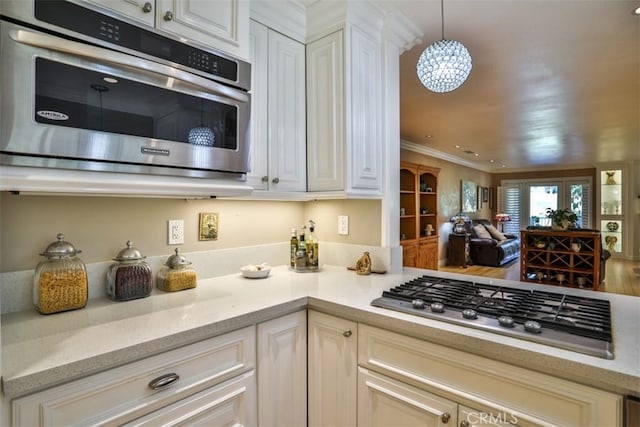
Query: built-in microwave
[{"x": 80, "y": 89}]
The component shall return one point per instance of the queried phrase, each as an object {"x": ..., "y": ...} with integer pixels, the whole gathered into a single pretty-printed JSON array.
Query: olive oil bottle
[{"x": 294, "y": 246}]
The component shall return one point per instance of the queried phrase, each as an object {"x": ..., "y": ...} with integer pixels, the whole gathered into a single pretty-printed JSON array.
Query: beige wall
[{"x": 100, "y": 226}]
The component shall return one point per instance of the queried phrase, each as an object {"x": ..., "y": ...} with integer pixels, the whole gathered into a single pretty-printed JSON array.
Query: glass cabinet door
[{"x": 611, "y": 220}]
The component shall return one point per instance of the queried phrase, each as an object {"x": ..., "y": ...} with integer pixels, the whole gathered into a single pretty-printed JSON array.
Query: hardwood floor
[{"x": 622, "y": 277}]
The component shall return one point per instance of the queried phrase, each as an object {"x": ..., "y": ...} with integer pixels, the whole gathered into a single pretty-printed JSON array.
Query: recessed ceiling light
[
  {"x": 428, "y": 136},
  {"x": 476, "y": 154},
  {"x": 636, "y": 11},
  {"x": 504, "y": 166},
  {"x": 457, "y": 146},
  {"x": 491, "y": 161}
]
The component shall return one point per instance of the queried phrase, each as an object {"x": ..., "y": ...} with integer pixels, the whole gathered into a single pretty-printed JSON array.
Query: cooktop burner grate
[{"x": 566, "y": 321}]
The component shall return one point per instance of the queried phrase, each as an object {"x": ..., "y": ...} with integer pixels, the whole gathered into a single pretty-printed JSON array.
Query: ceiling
[{"x": 554, "y": 84}]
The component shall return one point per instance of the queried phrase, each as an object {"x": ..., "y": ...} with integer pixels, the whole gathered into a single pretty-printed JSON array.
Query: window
[{"x": 526, "y": 201}]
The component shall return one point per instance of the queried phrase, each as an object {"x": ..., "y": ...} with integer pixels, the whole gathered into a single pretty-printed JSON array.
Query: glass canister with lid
[
  {"x": 130, "y": 277},
  {"x": 60, "y": 281},
  {"x": 176, "y": 275}
]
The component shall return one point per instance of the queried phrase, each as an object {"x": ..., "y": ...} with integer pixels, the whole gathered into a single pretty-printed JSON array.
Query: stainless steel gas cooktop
[{"x": 570, "y": 322}]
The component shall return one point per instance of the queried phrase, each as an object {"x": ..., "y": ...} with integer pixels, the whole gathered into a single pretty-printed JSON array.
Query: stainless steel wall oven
[{"x": 80, "y": 89}]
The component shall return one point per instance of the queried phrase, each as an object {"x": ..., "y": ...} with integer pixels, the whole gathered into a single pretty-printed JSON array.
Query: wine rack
[{"x": 564, "y": 258}]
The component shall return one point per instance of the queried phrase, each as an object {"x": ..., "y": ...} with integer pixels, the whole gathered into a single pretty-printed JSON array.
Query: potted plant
[{"x": 561, "y": 219}]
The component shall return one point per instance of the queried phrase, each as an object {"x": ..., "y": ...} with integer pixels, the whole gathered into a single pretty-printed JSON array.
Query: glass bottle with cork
[{"x": 312, "y": 248}]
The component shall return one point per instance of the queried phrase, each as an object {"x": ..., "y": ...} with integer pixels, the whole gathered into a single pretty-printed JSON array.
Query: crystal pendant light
[
  {"x": 444, "y": 65},
  {"x": 201, "y": 135}
]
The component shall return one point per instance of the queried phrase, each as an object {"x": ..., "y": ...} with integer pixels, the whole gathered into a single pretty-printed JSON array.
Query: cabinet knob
[
  {"x": 275, "y": 180},
  {"x": 445, "y": 417},
  {"x": 347, "y": 334},
  {"x": 147, "y": 7},
  {"x": 163, "y": 381},
  {"x": 465, "y": 423},
  {"x": 265, "y": 178},
  {"x": 168, "y": 16}
]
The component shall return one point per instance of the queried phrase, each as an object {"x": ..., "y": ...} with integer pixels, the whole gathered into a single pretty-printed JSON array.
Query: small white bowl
[{"x": 257, "y": 271}]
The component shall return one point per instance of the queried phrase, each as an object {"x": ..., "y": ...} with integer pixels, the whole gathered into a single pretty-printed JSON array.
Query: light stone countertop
[{"x": 41, "y": 351}]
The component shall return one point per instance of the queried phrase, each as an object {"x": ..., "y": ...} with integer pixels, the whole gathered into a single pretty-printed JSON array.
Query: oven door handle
[{"x": 98, "y": 54}]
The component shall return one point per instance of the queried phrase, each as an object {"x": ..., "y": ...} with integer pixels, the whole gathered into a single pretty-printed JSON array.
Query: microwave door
[{"x": 113, "y": 107}]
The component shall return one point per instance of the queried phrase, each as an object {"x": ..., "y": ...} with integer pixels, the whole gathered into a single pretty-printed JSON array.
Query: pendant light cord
[{"x": 442, "y": 16}]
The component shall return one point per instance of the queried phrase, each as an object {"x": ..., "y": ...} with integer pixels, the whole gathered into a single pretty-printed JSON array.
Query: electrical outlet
[
  {"x": 175, "y": 231},
  {"x": 343, "y": 225}
]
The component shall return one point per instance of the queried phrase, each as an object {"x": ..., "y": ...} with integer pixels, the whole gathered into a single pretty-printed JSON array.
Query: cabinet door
[
  {"x": 221, "y": 24},
  {"x": 287, "y": 118},
  {"x": 383, "y": 401},
  {"x": 410, "y": 255},
  {"x": 141, "y": 11},
  {"x": 325, "y": 113},
  {"x": 282, "y": 371},
  {"x": 364, "y": 115},
  {"x": 232, "y": 403},
  {"x": 258, "y": 178},
  {"x": 332, "y": 370},
  {"x": 428, "y": 254}
]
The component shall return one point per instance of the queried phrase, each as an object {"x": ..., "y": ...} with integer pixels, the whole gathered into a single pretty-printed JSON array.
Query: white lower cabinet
[
  {"x": 383, "y": 401},
  {"x": 410, "y": 371},
  {"x": 231, "y": 403},
  {"x": 332, "y": 370},
  {"x": 210, "y": 379},
  {"x": 282, "y": 371}
]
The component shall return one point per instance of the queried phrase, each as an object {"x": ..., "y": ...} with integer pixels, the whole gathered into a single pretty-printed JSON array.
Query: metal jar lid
[
  {"x": 129, "y": 253},
  {"x": 60, "y": 248},
  {"x": 177, "y": 261}
]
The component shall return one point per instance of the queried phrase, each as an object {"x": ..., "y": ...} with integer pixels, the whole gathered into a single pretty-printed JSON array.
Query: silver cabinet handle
[
  {"x": 163, "y": 381},
  {"x": 465, "y": 423},
  {"x": 347, "y": 334},
  {"x": 275, "y": 180},
  {"x": 168, "y": 16},
  {"x": 445, "y": 417},
  {"x": 265, "y": 178},
  {"x": 147, "y": 7}
]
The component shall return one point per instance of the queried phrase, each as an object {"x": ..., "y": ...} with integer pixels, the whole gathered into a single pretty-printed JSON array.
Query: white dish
[{"x": 257, "y": 271}]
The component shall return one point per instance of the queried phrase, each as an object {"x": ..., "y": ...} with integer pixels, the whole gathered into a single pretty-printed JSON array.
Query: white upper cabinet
[
  {"x": 278, "y": 125},
  {"x": 325, "y": 114},
  {"x": 220, "y": 24},
  {"x": 344, "y": 113}
]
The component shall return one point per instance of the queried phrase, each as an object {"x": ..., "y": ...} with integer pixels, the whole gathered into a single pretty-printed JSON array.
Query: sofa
[{"x": 487, "y": 249}]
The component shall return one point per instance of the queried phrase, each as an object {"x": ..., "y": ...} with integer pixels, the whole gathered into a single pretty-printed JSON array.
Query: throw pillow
[
  {"x": 481, "y": 232},
  {"x": 495, "y": 233}
]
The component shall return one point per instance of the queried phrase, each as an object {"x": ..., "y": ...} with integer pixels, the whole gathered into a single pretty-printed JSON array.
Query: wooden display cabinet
[
  {"x": 419, "y": 215},
  {"x": 565, "y": 258}
]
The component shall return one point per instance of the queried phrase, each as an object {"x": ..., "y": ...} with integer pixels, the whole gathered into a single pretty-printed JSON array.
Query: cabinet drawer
[
  {"x": 484, "y": 383},
  {"x": 232, "y": 403},
  {"x": 124, "y": 393}
]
